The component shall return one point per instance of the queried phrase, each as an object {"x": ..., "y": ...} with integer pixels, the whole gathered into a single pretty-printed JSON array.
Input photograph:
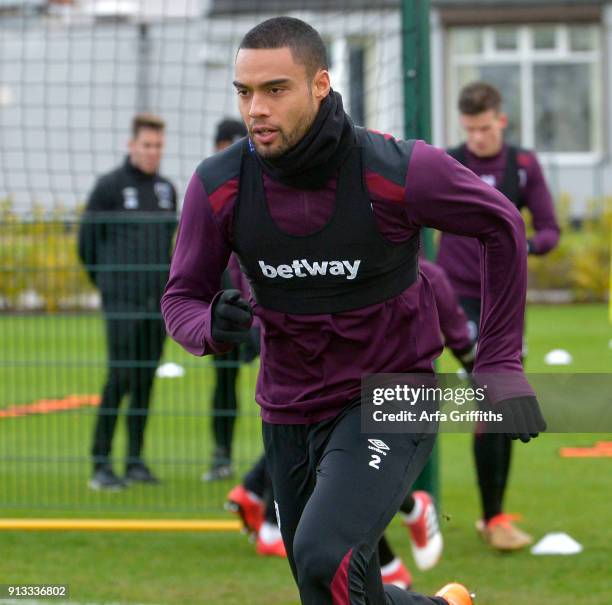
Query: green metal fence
[
  {"x": 53, "y": 365},
  {"x": 71, "y": 82}
]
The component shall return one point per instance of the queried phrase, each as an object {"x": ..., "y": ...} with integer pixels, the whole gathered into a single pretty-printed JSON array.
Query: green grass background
[{"x": 44, "y": 468}]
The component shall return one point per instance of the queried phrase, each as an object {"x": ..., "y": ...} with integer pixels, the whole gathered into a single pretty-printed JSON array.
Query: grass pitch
[{"x": 552, "y": 493}]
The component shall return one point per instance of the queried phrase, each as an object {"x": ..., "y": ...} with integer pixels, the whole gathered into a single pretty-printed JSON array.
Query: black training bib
[
  {"x": 510, "y": 186},
  {"x": 345, "y": 265}
]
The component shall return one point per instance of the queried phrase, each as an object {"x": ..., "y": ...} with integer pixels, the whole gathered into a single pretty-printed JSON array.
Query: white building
[
  {"x": 73, "y": 72},
  {"x": 550, "y": 58}
]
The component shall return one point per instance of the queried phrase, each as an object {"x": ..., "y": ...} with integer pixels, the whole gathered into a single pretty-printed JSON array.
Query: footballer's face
[
  {"x": 277, "y": 98},
  {"x": 146, "y": 149},
  {"x": 484, "y": 132}
]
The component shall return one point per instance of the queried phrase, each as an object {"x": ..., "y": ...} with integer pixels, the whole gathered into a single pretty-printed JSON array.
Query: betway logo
[{"x": 302, "y": 268}]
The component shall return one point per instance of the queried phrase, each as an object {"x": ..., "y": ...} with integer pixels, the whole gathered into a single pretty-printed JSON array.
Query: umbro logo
[
  {"x": 378, "y": 446},
  {"x": 381, "y": 445}
]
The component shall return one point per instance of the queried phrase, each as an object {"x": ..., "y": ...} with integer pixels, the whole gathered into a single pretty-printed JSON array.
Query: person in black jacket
[{"x": 124, "y": 242}]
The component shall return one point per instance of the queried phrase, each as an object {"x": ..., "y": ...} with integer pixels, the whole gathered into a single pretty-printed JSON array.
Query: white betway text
[{"x": 303, "y": 268}]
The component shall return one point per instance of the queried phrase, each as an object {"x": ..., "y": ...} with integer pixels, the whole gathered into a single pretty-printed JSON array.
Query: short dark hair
[
  {"x": 146, "y": 120},
  {"x": 230, "y": 130},
  {"x": 305, "y": 43},
  {"x": 478, "y": 97}
]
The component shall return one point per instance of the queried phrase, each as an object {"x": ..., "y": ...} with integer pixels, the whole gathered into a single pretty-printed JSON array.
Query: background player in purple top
[
  {"x": 324, "y": 218},
  {"x": 225, "y": 401},
  {"x": 517, "y": 174},
  {"x": 252, "y": 499}
]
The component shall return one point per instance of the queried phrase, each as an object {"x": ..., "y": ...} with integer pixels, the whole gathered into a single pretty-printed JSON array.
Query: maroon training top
[
  {"x": 311, "y": 365},
  {"x": 460, "y": 256}
]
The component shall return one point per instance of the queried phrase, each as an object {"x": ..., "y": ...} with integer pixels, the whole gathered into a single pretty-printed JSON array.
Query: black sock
[
  {"x": 492, "y": 453},
  {"x": 270, "y": 508},
  {"x": 225, "y": 404},
  {"x": 257, "y": 479},
  {"x": 385, "y": 554},
  {"x": 407, "y": 505}
]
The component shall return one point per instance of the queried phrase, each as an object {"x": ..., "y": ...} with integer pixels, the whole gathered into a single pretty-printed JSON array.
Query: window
[
  {"x": 357, "y": 82},
  {"x": 506, "y": 38},
  {"x": 544, "y": 37},
  {"x": 550, "y": 78},
  {"x": 348, "y": 58}
]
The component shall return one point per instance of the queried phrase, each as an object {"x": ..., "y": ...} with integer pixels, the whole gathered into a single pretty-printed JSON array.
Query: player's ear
[
  {"x": 503, "y": 119},
  {"x": 321, "y": 84}
]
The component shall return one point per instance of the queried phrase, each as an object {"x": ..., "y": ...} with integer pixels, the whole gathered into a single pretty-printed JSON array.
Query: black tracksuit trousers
[
  {"x": 333, "y": 505},
  {"x": 134, "y": 347}
]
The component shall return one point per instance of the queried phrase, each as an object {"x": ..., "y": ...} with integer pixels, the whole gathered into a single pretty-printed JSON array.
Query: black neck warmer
[{"x": 318, "y": 155}]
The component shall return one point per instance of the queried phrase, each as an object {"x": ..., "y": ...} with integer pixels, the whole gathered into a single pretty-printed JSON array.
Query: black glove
[
  {"x": 522, "y": 417},
  {"x": 232, "y": 317},
  {"x": 466, "y": 357}
]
